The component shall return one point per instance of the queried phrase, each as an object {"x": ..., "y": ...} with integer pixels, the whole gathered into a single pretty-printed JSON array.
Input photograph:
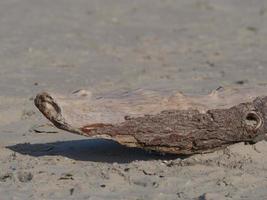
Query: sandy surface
[{"x": 62, "y": 46}]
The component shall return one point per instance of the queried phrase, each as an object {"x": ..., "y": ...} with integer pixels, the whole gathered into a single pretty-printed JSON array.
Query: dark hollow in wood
[{"x": 175, "y": 131}]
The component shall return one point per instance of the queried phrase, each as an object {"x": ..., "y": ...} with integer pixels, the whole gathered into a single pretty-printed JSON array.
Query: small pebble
[
  {"x": 5, "y": 177},
  {"x": 24, "y": 177},
  {"x": 66, "y": 176},
  {"x": 71, "y": 191},
  {"x": 211, "y": 196}
]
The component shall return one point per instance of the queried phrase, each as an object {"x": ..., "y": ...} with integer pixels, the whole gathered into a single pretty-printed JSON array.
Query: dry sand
[{"x": 61, "y": 46}]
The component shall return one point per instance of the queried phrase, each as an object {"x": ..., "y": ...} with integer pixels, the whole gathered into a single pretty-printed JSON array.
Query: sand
[{"x": 63, "y": 46}]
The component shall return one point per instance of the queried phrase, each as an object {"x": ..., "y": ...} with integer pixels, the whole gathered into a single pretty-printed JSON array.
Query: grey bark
[{"x": 174, "y": 131}]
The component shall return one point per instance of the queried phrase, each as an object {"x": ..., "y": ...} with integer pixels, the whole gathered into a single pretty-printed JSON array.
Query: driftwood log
[{"x": 166, "y": 122}]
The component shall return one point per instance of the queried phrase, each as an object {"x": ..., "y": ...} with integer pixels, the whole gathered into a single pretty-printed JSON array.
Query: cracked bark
[{"x": 166, "y": 123}]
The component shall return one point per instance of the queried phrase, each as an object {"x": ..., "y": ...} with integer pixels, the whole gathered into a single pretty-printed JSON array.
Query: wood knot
[{"x": 253, "y": 120}]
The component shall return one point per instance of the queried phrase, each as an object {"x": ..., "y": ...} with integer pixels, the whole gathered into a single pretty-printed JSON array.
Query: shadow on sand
[{"x": 97, "y": 150}]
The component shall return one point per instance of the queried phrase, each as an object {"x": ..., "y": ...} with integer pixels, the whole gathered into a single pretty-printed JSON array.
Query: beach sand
[{"x": 101, "y": 46}]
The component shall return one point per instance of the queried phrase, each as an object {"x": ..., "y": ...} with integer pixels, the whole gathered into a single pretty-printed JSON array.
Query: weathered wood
[{"x": 163, "y": 121}]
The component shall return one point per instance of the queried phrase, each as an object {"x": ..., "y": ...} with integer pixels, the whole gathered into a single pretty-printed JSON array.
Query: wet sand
[{"x": 63, "y": 46}]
